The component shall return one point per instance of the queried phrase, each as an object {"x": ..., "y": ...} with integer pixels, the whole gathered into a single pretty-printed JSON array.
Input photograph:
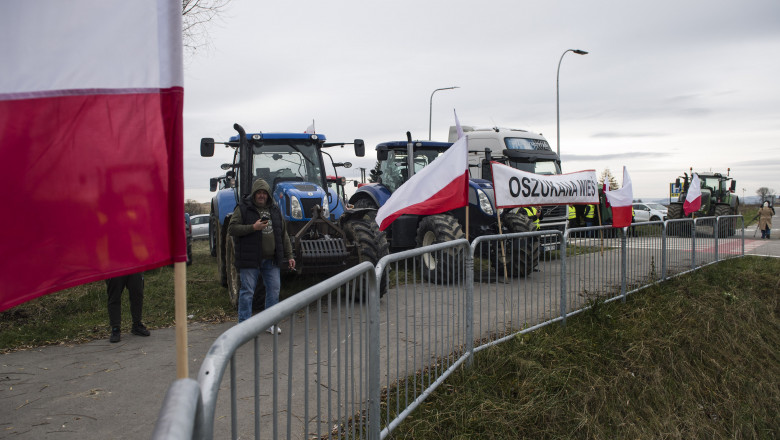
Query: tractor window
[
  {"x": 298, "y": 161},
  {"x": 711, "y": 182},
  {"x": 394, "y": 169}
]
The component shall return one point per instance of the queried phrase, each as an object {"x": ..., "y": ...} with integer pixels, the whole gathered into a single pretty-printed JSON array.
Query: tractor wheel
[
  {"x": 221, "y": 237},
  {"x": 233, "y": 281},
  {"x": 522, "y": 254},
  {"x": 370, "y": 243},
  {"x": 213, "y": 224},
  {"x": 443, "y": 266},
  {"x": 725, "y": 225},
  {"x": 675, "y": 211}
]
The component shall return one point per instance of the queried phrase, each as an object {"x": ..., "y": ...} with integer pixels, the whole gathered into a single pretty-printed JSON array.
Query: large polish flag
[
  {"x": 91, "y": 96},
  {"x": 693, "y": 199},
  {"x": 622, "y": 202},
  {"x": 439, "y": 187}
]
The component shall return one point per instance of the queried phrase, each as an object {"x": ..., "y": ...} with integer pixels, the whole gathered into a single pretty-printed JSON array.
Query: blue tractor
[
  {"x": 395, "y": 160},
  {"x": 293, "y": 164}
]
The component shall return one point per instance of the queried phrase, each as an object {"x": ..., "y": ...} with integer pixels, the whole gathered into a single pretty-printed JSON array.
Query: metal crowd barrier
[{"x": 352, "y": 365}]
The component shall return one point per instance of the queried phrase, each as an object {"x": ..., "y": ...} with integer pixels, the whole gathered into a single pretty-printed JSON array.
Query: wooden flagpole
[{"x": 180, "y": 313}]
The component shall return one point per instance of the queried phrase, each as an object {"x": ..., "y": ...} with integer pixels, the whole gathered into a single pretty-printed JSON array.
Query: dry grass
[{"x": 697, "y": 357}]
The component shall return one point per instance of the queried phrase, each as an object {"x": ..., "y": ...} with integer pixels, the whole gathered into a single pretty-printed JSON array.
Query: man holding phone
[{"x": 262, "y": 247}]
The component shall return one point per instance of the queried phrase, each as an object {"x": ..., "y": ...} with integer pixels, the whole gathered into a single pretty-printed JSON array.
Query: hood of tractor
[{"x": 297, "y": 200}]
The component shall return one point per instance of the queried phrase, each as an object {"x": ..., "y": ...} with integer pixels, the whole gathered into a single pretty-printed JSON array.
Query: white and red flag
[
  {"x": 693, "y": 199},
  {"x": 622, "y": 202},
  {"x": 439, "y": 187},
  {"x": 91, "y": 97},
  {"x": 310, "y": 129}
]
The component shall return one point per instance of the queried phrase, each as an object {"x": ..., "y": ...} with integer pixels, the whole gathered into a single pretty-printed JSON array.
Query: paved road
[{"x": 114, "y": 391}]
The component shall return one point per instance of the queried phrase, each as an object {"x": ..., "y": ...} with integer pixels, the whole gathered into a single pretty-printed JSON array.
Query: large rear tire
[
  {"x": 233, "y": 281},
  {"x": 370, "y": 243},
  {"x": 724, "y": 224},
  {"x": 221, "y": 245},
  {"x": 677, "y": 229},
  {"x": 444, "y": 266},
  {"x": 522, "y": 254},
  {"x": 213, "y": 225}
]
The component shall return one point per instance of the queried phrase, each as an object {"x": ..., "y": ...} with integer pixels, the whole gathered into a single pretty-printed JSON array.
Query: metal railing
[{"x": 354, "y": 365}]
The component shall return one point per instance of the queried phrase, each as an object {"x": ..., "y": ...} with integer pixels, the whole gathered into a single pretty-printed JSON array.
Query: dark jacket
[{"x": 252, "y": 246}]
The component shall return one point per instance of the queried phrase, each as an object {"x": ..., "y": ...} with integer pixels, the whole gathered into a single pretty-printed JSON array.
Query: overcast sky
[{"x": 667, "y": 85}]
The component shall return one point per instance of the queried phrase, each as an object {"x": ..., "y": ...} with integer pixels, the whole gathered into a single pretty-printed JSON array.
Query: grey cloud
[{"x": 612, "y": 134}]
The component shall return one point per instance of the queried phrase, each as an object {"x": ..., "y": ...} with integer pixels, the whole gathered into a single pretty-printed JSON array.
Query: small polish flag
[
  {"x": 693, "y": 199},
  {"x": 310, "y": 128},
  {"x": 621, "y": 200}
]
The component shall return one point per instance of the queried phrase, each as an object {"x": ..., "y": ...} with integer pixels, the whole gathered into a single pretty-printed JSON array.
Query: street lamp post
[
  {"x": 430, "y": 110},
  {"x": 558, "y": 101}
]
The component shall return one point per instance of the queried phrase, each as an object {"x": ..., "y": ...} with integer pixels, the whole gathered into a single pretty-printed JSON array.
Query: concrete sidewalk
[{"x": 95, "y": 390}]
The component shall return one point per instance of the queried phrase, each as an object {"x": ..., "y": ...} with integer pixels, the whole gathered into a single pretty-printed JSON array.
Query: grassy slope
[{"x": 698, "y": 357}]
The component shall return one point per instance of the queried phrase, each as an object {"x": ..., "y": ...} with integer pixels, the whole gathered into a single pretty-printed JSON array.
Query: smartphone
[{"x": 264, "y": 218}]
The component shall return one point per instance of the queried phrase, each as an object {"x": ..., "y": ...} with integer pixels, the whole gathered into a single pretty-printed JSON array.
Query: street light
[
  {"x": 557, "y": 98},
  {"x": 430, "y": 111}
]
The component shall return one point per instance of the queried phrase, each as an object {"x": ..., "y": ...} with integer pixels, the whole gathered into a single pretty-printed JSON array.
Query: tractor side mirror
[
  {"x": 213, "y": 184},
  {"x": 207, "y": 147},
  {"x": 677, "y": 181},
  {"x": 733, "y": 186},
  {"x": 354, "y": 183},
  {"x": 381, "y": 155},
  {"x": 360, "y": 148}
]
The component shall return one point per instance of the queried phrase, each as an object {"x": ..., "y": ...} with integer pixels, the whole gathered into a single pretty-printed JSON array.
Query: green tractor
[{"x": 717, "y": 199}]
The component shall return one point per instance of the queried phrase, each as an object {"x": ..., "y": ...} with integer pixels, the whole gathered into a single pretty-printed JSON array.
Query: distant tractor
[
  {"x": 717, "y": 199},
  {"x": 292, "y": 164}
]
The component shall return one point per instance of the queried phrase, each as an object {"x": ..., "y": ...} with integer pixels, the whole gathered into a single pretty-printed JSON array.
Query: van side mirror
[
  {"x": 360, "y": 148},
  {"x": 213, "y": 184},
  {"x": 207, "y": 147}
]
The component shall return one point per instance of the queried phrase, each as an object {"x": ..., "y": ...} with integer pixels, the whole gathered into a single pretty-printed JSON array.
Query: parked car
[
  {"x": 188, "y": 230},
  {"x": 644, "y": 212},
  {"x": 200, "y": 226}
]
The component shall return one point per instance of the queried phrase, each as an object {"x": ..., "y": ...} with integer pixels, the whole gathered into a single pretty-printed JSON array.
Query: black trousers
[{"x": 135, "y": 287}]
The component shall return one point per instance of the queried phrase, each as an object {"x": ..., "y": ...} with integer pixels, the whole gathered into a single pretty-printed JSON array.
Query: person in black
[
  {"x": 135, "y": 288},
  {"x": 262, "y": 247}
]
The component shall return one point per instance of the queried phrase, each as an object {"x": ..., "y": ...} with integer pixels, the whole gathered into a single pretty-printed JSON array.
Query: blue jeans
[{"x": 271, "y": 280}]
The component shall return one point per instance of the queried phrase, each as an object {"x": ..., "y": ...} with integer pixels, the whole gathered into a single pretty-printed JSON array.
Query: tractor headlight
[
  {"x": 295, "y": 208},
  {"x": 484, "y": 202},
  {"x": 325, "y": 208}
]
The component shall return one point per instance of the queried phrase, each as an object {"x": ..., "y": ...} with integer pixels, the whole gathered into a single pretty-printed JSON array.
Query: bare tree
[
  {"x": 193, "y": 207},
  {"x": 195, "y": 14},
  {"x": 764, "y": 191},
  {"x": 607, "y": 176}
]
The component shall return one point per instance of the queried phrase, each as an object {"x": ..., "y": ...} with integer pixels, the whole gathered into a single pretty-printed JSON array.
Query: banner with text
[{"x": 514, "y": 187}]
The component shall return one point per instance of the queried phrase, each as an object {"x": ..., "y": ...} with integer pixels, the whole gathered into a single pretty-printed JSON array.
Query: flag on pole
[
  {"x": 693, "y": 199},
  {"x": 622, "y": 202},
  {"x": 606, "y": 190},
  {"x": 457, "y": 125},
  {"x": 310, "y": 128},
  {"x": 440, "y": 187},
  {"x": 91, "y": 97}
]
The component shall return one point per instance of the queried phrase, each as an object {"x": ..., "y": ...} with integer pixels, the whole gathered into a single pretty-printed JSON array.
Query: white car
[
  {"x": 649, "y": 212},
  {"x": 200, "y": 226}
]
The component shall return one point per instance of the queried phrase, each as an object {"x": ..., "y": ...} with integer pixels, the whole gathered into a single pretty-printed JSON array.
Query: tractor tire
[
  {"x": 233, "y": 281},
  {"x": 725, "y": 226},
  {"x": 434, "y": 229},
  {"x": 370, "y": 243},
  {"x": 221, "y": 245},
  {"x": 213, "y": 224},
  {"x": 675, "y": 211},
  {"x": 522, "y": 254}
]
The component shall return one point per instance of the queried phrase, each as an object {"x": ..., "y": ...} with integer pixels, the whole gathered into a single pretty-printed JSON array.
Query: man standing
[
  {"x": 135, "y": 288},
  {"x": 262, "y": 246}
]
